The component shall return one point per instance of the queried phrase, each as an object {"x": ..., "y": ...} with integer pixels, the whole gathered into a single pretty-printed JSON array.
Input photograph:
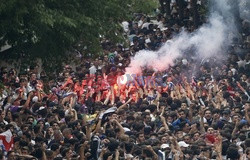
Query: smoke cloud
[
  {"x": 244, "y": 7},
  {"x": 210, "y": 40}
]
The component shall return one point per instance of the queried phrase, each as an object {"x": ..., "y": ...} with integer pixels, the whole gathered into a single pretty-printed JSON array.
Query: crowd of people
[{"x": 88, "y": 112}]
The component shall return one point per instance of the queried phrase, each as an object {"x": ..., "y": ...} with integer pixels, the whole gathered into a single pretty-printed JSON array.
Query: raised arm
[
  {"x": 107, "y": 98},
  {"x": 124, "y": 105}
]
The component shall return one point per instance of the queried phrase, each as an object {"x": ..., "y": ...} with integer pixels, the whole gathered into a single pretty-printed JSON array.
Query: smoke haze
[
  {"x": 210, "y": 40},
  {"x": 244, "y": 6}
]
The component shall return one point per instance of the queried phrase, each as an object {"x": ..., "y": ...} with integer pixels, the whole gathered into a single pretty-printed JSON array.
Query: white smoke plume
[
  {"x": 211, "y": 39},
  {"x": 244, "y": 7}
]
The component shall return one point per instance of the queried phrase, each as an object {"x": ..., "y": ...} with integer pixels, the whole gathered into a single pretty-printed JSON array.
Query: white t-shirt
[{"x": 92, "y": 70}]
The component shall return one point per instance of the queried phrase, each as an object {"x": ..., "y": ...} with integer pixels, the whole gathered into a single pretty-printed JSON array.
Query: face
[
  {"x": 187, "y": 139},
  {"x": 2, "y": 115},
  {"x": 55, "y": 126},
  {"x": 170, "y": 119},
  {"x": 122, "y": 97},
  {"x": 226, "y": 116},
  {"x": 66, "y": 75},
  {"x": 186, "y": 128},
  {"x": 216, "y": 116},
  {"x": 196, "y": 136},
  {"x": 79, "y": 126},
  {"x": 164, "y": 140},
  {"x": 244, "y": 128},
  {"x": 114, "y": 116},
  {"x": 147, "y": 119},
  {"x": 23, "y": 83},
  {"x": 179, "y": 134},
  {"x": 247, "y": 105},
  {"x": 183, "y": 106},
  {"x": 153, "y": 137},
  {"x": 169, "y": 79},
  {"x": 161, "y": 108},
  {"x": 106, "y": 58},
  {"x": 69, "y": 154},
  {"x": 9, "y": 114},
  {"x": 207, "y": 80},
  {"x": 30, "y": 120},
  {"x": 24, "y": 152},
  {"x": 25, "y": 129},
  {"x": 206, "y": 153},
  {"x": 33, "y": 77},
  {"x": 41, "y": 124},
  {"x": 236, "y": 118},
  {"x": 182, "y": 115},
  {"x": 208, "y": 114},
  {"x": 141, "y": 138},
  {"x": 248, "y": 154},
  {"x": 159, "y": 89},
  {"x": 58, "y": 136},
  {"x": 210, "y": 130},
  {"x": 12, "y": 156},
  {"x": 134, "y": 97},
  {"x": 244, "y": 77},
  {"x": 50, "y": 131}
]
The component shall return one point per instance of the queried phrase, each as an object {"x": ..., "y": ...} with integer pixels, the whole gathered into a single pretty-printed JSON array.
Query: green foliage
[
  {"x": 48, "y": 28},
  {"x": 144, "y": 6}
]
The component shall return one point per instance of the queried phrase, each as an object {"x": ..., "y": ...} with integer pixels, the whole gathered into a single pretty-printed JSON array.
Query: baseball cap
[
  {"x": 163, "y": 146},
  {"x": 183, "y": 144}
]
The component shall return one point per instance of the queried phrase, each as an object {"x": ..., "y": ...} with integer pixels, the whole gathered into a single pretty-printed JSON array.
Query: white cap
[
  {"x": 129, "y": 156},
  {"x": 35, "y": 99},
  {"x": 183, "y": 144},
  {"x": 184, "y": 61},
  {"x": 163, "y": 146},
  {"x": 41, "y": 108},
  {"x": 126, "y": 129},
  {"x": 241, "y": 63},
  {"x": 234, "y": 71},
  {"x": 147, "y": 40}
]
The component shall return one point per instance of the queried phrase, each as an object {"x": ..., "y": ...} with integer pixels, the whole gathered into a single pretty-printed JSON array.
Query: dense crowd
[{"x": 193, "y": 110}]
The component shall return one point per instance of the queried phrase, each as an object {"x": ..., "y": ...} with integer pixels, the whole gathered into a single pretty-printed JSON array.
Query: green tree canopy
[{"x": 48, "y": 28}]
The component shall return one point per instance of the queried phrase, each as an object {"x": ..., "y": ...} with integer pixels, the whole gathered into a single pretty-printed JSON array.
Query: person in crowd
[{"x": 189, "y": 111}]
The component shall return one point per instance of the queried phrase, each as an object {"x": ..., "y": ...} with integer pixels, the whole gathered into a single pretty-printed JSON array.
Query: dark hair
[
  {"x": 130, "y": 117},
  {"x": 152, "y": 108},
  {"x": 106, "y": 155},
  {"x": 38, "y": 153},
  {"x": 9, "y": 153},
  {"x": 64, "y": 151},
  {"x": 54, "y": 146},
  {"x": 147, "y": 152},
  {"x": 232, "y": 153},
  {"x": 247, "y": 142},
  {"x": 182, "y": 124}
]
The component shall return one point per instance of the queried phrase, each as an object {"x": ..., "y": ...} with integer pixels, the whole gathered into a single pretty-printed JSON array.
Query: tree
[
  {"x": 165, "y": 7},
  {"x": 195, "y": 13},
  {"x": 48, "y": 28},
  {"x": 180, "y": 4}
]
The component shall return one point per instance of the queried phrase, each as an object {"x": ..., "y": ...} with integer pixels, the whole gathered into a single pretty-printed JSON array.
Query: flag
[
  {"x": 6, "y": 140},
  {"x": 111, "y": 58}
]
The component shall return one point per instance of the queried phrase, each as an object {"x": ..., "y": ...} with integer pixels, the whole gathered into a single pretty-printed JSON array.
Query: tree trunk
[
  {"x": 194, "y": 10},
  {"x": 167, "y": 7},
  {"x": 180, "y": 4},
  {"x": 162, "y": 6}
]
